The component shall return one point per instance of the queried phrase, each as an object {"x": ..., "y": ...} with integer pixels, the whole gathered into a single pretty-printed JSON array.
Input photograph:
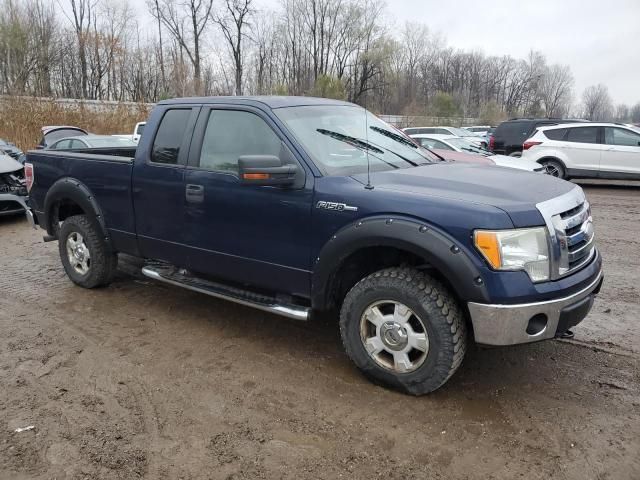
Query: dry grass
[{"x": 21, "y": 118}]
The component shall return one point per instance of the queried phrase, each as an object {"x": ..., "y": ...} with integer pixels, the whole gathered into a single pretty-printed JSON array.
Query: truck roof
[{"x": 269, "y": 101}]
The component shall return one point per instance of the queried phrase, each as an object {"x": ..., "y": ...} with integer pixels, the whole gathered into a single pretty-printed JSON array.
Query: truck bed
[{"x": 106, "y": 172}]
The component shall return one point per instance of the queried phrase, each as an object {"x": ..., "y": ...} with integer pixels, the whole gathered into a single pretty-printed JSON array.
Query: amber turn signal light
[
  {"x": 256, "y": 176},
  {"x": 487, "y": 243}
]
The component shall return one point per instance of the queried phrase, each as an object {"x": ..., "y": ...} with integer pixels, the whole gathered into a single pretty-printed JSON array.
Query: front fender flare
[{"x": 437, "y": 248}]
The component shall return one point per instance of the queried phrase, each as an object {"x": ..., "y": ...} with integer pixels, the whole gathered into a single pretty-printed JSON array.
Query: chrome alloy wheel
[
  {"x": 78, "y": 253},
  {"x": 394, "y": 336}
]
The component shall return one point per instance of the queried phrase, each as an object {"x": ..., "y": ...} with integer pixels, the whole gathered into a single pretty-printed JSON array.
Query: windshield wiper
[
  {"x": 356, "y": 142},
  {"x": 394, "y": 136}
]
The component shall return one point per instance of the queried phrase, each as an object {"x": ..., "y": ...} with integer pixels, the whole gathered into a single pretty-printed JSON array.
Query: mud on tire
[
  {"x": 102, "y": 262},
  {"x": 433, "y": 305}
]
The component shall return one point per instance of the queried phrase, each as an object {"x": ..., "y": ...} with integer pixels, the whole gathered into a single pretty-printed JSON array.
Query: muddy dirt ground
[{"x": 143, "y": 380}]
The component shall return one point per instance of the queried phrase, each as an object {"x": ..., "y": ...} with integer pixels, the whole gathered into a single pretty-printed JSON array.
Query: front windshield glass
[
  {"x": 466, "y": 146},
  {"x": 339, "y": 139}
]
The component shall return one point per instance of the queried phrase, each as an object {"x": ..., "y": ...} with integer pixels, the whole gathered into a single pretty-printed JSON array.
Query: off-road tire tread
[
  {"x": 445, "y": 314},
  {"x": 104, "y": 262}
]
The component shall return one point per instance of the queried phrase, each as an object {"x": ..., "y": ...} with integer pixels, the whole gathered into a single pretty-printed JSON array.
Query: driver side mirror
[{"x": 266, "y": 170}]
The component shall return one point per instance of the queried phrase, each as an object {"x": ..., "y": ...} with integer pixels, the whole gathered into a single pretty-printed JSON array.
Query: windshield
[
  {"x": 466, "y": 146},
  {"x": 339, "y": 140}
]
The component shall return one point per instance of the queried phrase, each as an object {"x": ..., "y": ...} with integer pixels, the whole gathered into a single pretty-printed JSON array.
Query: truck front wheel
[
  {"x": 85, "y": 255},
  {"x": 403, "y": 329}
]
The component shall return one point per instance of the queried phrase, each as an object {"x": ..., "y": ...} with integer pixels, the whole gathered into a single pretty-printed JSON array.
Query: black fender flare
[
  {"x": 437, "y": 248},
  {"x": 69, "y": 188}
]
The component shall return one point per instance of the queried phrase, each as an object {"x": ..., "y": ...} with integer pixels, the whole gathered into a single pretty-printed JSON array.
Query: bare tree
[
  {"x": 555, "y": 90},
  {"x": 156, "y": 5},
  {"x": 597, "y": 103},
  {"x": 635, "y": 113},
  {"x": 300, "y": 47},
  {"x": 186, "y": 21},
  {"x": 623, "y": 113},
  {"x": 233, "y": 22},
  {"x": 81, "y": 10}
]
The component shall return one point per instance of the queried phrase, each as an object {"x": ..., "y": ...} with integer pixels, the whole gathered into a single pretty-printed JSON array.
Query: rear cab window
[{"x": 170, "y": 136}]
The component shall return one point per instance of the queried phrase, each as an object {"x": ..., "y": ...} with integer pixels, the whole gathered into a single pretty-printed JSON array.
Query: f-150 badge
[{"x": 338, "y": 207}]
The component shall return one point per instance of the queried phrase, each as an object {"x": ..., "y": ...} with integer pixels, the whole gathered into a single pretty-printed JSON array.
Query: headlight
[{"x": 521, "y": 249}]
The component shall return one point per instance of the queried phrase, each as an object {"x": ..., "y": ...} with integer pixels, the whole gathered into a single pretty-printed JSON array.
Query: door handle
[{"x": 194, "y": 193}]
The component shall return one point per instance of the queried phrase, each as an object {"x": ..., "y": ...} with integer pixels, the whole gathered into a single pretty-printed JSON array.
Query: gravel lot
[{"x": 144, "y": 380}]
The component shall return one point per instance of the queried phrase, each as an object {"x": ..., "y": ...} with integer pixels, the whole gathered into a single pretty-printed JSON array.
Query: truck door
[
  {"x": 158, "y": 183},
  {"x": 251, "y": 234}
]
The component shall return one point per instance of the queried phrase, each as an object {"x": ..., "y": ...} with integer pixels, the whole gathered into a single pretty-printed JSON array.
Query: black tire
[
  {"x": 438, "y": 310},
  {"x": 103, "y": 262},
  {"x": 554, "y": 168},
  {"x": 515, "y": 154}
]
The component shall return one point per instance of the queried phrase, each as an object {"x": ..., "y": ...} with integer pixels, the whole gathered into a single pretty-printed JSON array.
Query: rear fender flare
[
  {"x": 438, "y": 249},
  {"x": 69, "y": 188}
]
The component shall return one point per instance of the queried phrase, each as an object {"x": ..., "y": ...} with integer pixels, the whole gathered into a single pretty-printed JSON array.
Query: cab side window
[
  {"x": 166, "y": 145},
  {"x": 62, "y": 145},
  {"x": 231, "y": 134},
  {"x": 583, "y": 135},
  {"x": 621, "y": 137}
]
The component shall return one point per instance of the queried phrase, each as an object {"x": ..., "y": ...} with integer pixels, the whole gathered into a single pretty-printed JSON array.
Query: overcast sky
[{"x": 598, "y": 39}]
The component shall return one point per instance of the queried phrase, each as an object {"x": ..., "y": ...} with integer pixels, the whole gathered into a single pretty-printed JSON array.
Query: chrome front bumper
[{"x": 508, "y": 324}]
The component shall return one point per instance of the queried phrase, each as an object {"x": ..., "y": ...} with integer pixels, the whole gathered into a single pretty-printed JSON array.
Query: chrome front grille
[
  {"x": 574, "y": 230},
  {"x": 570, "y": 226}
]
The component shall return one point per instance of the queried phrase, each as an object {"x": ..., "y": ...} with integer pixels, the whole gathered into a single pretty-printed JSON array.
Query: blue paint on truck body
[{"x": 273, "y": 238}]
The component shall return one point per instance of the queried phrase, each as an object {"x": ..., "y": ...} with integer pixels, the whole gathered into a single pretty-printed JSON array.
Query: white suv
[{"x": 586, "y": 150}]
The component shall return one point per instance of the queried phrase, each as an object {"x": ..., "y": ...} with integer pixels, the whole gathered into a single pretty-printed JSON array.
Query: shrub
[{"x": 21, "y": 118}]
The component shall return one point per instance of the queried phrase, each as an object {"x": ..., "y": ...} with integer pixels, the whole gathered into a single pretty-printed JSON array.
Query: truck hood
[{"x": 515, "y": 191}]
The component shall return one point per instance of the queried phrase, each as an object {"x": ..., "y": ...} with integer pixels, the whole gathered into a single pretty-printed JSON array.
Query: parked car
[
  {"x": 137, "y": 132},
  {"x": 294, "y": 205},
  {"x": 510, "y": 135},
  {"x": 51, "y": 134},
  {"x": 8, "y": 148},
  {"x": 594, "y": 150},
  {"x": 479, "y": 130},
  {"x": 13, "y": 189},
  {"x": 91, "y": 141},
  {"x": 443, "y": 143},
  {"x": 458, "y": 132}
]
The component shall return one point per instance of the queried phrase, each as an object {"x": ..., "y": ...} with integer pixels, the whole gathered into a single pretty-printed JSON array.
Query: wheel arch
[
  {"x": 379, "y": 242},
  {"x": 67, "y": 197}
]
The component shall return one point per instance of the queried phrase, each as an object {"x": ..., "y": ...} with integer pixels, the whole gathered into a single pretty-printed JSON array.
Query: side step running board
[{"x": 173, "y": 276}]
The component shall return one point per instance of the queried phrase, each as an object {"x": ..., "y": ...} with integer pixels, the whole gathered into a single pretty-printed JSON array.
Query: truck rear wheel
[
  {"x": 85, "y": 255},
  {"x": 403, "y": 329}
]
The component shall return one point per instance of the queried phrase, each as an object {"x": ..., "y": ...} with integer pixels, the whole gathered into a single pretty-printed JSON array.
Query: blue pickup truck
[{"x": 294, "y": 205}]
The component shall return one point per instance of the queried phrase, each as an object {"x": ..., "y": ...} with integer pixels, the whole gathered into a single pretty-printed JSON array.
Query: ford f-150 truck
[{"x": 295, "y": 205}]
